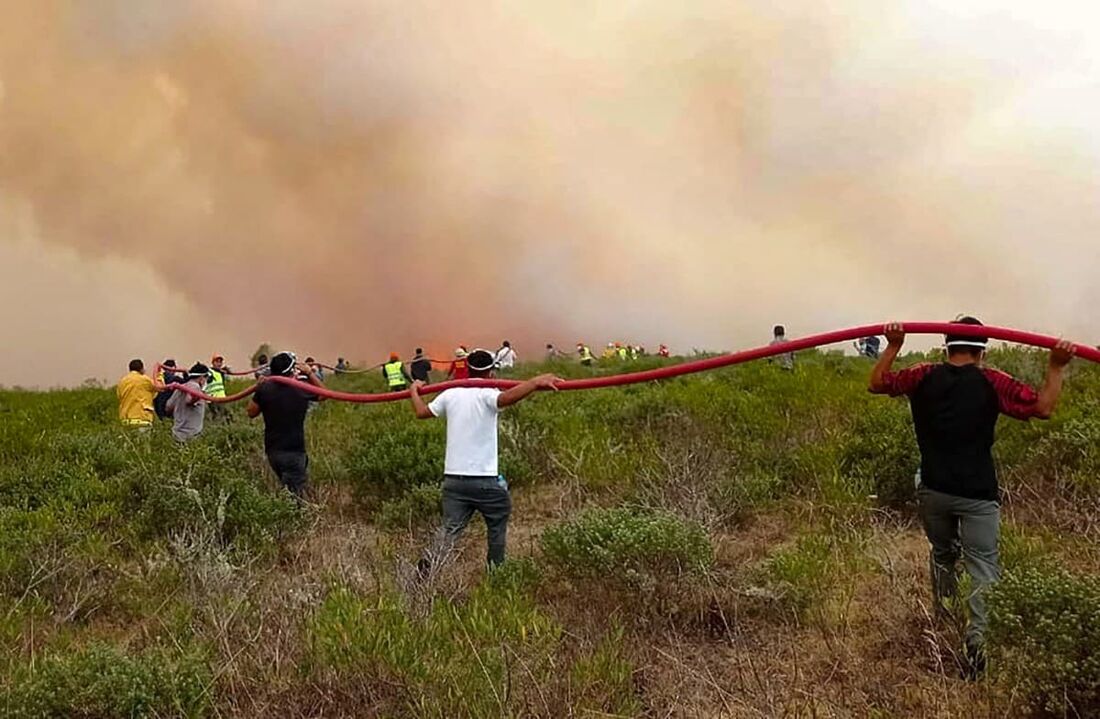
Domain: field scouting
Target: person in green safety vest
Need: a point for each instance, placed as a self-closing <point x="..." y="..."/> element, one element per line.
<point x="622" y="352"/>
<point x="584" y="354"/>
<point x="215" y="387"/>
<point x="397" y="379"/>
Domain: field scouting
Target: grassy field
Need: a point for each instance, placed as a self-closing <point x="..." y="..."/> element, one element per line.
<point x="738" y="544"/>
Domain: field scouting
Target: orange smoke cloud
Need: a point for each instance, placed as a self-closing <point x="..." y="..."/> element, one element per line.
<point x="355" y="176"/>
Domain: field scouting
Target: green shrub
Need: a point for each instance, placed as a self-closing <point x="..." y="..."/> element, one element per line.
<point x="602" y="682"/>
<point x="416" y="507"/>
<point x="198" y="487"/>
<point x="474" y="658"/>
<point x="634" y="547"/>
<point x="881" y="449"/>
<point x="518" y="575"/>
<point x="1043" y="636"/>
<point x="393" y="460"/>
<point x="1071" y="453"/>
<point x="737" y="497"/>
<point x="1019" y="549"/>
<point x="808" y="573"/>
<point x="103" y="681"/>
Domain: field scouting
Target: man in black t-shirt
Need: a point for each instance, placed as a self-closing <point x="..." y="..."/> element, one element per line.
<point x="955" y="407"/>
<point x="421" y="367"/>
<point x="284" y="409"/>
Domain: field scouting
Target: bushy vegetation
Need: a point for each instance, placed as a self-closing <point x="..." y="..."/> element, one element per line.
<point x="804" y="572"/>
<point x="493" y="654"/>
<point x="628" y="546"/>
<point x="141" y="578"/>
<point x="103" y="681"/>
<point x="1045" y="633"/>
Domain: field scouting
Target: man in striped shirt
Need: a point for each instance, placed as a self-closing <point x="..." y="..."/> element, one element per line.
<point x="955" y="407"/>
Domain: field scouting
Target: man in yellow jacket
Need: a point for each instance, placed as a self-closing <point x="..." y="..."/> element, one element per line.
<point x="397" y="379"/>
<point x="135" y="397"/>
<point x="215" y="387"/>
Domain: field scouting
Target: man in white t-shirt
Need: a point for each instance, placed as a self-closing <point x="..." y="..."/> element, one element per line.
<point x="472" y="480"/>
<point x="506" y="356"/>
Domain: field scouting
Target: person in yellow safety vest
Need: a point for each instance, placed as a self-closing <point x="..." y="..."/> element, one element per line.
<point x="584" y="354"/>
<point x="135" y="397"/>
<point x="397" y="379"/>
<point x="609" y="351"/>
<point x="621" y="352"/>
<point x="215" y="387"/>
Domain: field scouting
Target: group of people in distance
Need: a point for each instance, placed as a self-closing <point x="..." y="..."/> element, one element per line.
<point x="955" y="405"/>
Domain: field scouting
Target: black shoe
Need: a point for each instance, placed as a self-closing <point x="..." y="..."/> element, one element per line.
<point x="975" y="661"/>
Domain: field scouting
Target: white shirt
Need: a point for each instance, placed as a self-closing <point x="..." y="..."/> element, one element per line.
<point x="471" y="414"/>
<point x="506" y="357"/>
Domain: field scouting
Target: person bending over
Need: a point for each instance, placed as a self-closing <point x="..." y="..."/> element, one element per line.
<point x="284" y="409"/>
<point x="955" y="407"/>
<point x="472" y="481"/>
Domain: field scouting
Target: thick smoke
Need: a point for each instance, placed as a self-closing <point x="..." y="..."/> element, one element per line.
<point x="354" y="177"/>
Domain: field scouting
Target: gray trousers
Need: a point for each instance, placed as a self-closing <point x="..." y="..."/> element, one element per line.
<point x="462" y="496"/>
<point x="292" y="469"/>
<point x="969" y="528"/>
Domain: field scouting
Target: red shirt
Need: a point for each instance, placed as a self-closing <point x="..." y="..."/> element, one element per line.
<point x="459" y="369"/>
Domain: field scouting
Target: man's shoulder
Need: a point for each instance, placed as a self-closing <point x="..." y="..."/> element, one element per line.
<point x="468" y="393"/>
<point x="997" y="376"/>
<point x="1006" y="384"/>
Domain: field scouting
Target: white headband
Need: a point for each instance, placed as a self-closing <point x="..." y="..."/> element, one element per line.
<point x="492" y="362"/>
<point x="968" y="343"/>
<point x="293" y="361"/>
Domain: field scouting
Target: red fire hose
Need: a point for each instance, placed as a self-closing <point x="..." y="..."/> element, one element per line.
<point x="372" y="368"/>
<point x="917" y="328"/>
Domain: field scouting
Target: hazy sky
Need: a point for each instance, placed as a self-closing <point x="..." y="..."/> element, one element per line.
<point x="355" y="176"/>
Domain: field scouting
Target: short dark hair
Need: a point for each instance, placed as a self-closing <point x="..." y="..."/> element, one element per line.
<point x="420" y="350"/>
<point x="137" y="365"/>
<point x="198" y="370"/>
<point x="779" y="330"/>
<point x="481" y="363"/>
<point x="282" y="363"/>
<point x="507" y="343"/>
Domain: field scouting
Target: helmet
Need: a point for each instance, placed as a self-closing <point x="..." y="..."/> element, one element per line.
<point x="394" y="356"/>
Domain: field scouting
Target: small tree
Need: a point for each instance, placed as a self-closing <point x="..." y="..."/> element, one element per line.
<point x="264" y="350"/>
